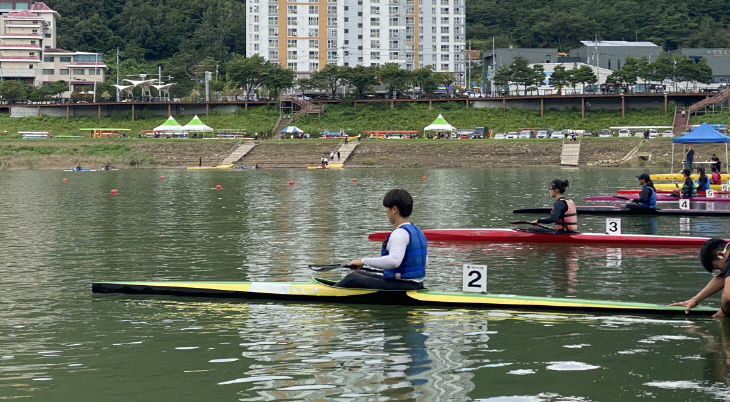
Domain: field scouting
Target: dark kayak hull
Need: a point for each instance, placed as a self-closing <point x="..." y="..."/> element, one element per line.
<point x="613" y="210"/>
<point x="522" y="236"/>
<point x="659" y="198"/>
<point x="320" y="290"/>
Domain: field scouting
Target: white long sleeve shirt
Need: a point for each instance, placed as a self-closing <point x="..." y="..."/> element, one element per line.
<point x="396" y="247"/>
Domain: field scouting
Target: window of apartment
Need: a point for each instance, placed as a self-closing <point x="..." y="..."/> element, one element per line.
<point x="273" y="9"/>
<point x="313" y="66"/>
<point x="291" y="9"/>
<point x="313" y="44"/>
<point x="444" y="20"/>
<point x="63" y="71"/>
<point x="444" y="29"/>
<point x="291" y="31"/>
<point x="375" y="44"/>
<point x="30" y="66"/>
<point x="444" y="10"/>
<point x="65" y="59"/>
<point x="48" y="59"/>
<point x="31" y="53"/>
<point x="393" y="21"/>
<point x="374" y="10"/>
<point x="375" y="55"/>
<point x="273" y="42"/>
<point x="48" y="71"/>
<point x="291" y="20"/>
<point x="78" y="71"/>
<point x="444" y="57"/>
<point x="273" y="54"/>
<point x="313" y="54"/>
<point x="313" y="31"/>
<point x="444" y="48"/>
<point x="32" y="42"/>
<point x="291" y="54"/>
<point x="313" y="9"/>
<point x="374" y="33"/>
<point x="290" y="43"/>
<point x="375" y="22"/>
<point x="444" y="39"/>
<point x="292" y="65"/>
<point x="313" y="20"/>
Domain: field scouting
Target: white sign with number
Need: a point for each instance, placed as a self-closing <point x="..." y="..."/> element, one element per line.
<point x="710" y="193"/>
<point x="613" y="226"/>
<point x="724" y="187"/>
<point x="684" y="203"/>
<point x="474" y="279"/>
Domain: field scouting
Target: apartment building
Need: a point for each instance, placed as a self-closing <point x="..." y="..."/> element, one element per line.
<point x="28" y="48"/>
<point x="304" y="36"/>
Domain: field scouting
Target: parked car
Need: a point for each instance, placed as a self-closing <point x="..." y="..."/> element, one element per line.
<point x="653" y="133"/>
<point x="624" y="132"/>
<point x="512" y="135"/>
<point x="668" y="133"/>
<point x="525" y="134"/>
<point x="499" y="136"/>
<point x="604" y="133"/>
<point x="478" y="132"/>
<point x="542" y="134"/>
<point x="557" y="134"/>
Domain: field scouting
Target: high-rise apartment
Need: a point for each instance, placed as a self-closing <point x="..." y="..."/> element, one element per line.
<point x="28" y="48"/>
<point x="304" y="36"/>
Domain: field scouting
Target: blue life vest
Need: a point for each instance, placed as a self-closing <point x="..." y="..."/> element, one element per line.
<point x="414" y="261"/>
<point x="703" y="184"/>
<point x="652" y="198"/>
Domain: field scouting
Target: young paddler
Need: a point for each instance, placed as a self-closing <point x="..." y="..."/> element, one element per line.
<point x="564" y="213"/>
<point x="689" y="188"/>
<point x="403" y="256"/>
<point x="714" y="258"/>
<point x="647" y="196"/>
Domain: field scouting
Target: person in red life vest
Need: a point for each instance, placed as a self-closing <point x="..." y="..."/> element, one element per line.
<point x="714" y="258"/>
<point x="403" y="256"/>
<point x="715" y="178"/>
<point x="564" y="214"/>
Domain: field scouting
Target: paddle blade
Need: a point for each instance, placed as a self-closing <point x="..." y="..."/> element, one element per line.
<point x="520" y="223"/>
<point x="327" y="267"/>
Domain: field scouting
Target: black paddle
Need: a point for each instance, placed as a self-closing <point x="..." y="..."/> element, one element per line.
<point x="330" y="267"/>
<point x="622" y="197"/>
<point x="530" y="223"/>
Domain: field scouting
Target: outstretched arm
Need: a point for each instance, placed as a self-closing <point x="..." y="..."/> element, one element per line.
<point x="715" y="284"/>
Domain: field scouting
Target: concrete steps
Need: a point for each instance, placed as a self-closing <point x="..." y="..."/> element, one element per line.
<point x="570" y="154"/>
<point x="239" y="152"/>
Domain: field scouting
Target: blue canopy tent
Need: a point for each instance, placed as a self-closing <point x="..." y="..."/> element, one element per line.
<point x="703" y="134"/>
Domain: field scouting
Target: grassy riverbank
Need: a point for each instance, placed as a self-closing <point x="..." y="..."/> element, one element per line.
<point x="135" y="152"/>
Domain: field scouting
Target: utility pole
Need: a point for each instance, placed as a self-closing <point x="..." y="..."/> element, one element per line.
<point x="208" y="77"/>
<point x="468" y="71"/>
<point x="494" y="65"/>
<point x="118" y="94"/>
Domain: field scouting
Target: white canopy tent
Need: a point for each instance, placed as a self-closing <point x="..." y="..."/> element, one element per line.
<point x="440" y="125"/>
<point x="197" y="126"/>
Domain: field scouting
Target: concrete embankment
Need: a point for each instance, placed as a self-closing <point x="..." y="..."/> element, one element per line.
<point x="652" y="154"/>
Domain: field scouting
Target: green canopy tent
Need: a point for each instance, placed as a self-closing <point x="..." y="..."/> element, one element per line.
<point x="440" y="125"/>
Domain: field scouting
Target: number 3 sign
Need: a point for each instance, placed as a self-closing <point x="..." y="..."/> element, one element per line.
<point x="475" y="278"/>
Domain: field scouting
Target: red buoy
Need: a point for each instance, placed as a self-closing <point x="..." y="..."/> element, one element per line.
<point x="162" y="177"/>
<point x="218" y="187"/>
<point x="291" y="183"/>
<point x="64" y="180"/>
<point x="354" y="180"/>
<point x="114" y="191"/>
<point x="423" y="177"/>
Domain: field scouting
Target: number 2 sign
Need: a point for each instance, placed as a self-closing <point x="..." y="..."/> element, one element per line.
<point x="474" y="278"/>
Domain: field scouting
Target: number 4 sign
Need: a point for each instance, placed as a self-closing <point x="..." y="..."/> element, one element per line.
<point x="684" y="203"/>
<point x="474" y="279"/>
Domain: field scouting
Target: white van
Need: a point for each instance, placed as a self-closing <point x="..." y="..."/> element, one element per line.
<point x="624" y="132"/>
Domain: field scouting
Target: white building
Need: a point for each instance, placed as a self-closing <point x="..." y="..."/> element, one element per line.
<point x="304" y="36"/>
<point x="28" y="48"/>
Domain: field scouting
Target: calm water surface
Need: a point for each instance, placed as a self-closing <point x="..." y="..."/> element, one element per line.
<point x="60" y="342"/>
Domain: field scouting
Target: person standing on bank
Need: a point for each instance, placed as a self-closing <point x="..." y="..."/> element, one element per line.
<point x="714" y="258"/>
<point x="689" y="156"/>
<point x="647" y="196"/>
<point x="403" y="256"/>
<point x="564" y="213"/>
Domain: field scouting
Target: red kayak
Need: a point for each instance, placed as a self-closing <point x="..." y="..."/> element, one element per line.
<point x="523" y="236"/>
<point x="699" y="192"/>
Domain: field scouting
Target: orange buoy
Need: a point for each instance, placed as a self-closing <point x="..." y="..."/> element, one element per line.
<point x="64" y="180"/>
<point x="291" y="183"/>
<point x="218" y="187"/>
<point x="114" y="191"/>
<point x="354" y="180"/>
<point x="423" y="177"/>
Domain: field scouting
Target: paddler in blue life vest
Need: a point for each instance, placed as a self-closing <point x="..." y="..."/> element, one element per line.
<point x="703" y="182"/>
<point x="647" y="196"/>
<point x="689" y="188"/>
<point x="564" y="213"/>
<point x="403" y="256"/>
<point x="714" y="258"/>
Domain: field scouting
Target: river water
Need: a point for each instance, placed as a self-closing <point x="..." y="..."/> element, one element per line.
<point x="58" y="341"/>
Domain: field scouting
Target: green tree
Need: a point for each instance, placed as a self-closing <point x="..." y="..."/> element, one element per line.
<point x="361" y="78"/>
<point x="14" y="90"/>
<point x="329" y="78"/>
<point x="277" y="78"/>
<point x="521" y="73"/>
<point x="503" y="77"/>
<point x="446" y="79"/>
<point x="246" y="73"/>
<point x="584" y="75"/>
<point x="559" y="78"/>
<point x="393" y="77"/>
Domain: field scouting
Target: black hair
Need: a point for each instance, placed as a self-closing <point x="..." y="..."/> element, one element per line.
<point x="701" y="171"/>
<point x="687" y="172"/>
<point x="399" y="198"/>
<point x="714" y="169"/>
<point x="559" y="185"/>
<point x="709" y="250"/>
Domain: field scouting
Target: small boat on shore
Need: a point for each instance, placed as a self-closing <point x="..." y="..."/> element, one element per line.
<point x="323" y="291"/>
<point x="659" y="198"/>
<point x="617" y="210"/>
<point x="330" y="166"/>
<point x="523" y="236"/>
<point x="227" y="166"/>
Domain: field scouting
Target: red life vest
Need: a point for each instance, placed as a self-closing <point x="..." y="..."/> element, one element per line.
<point x="716" y="178"/>
<point x="569" y="221"/>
